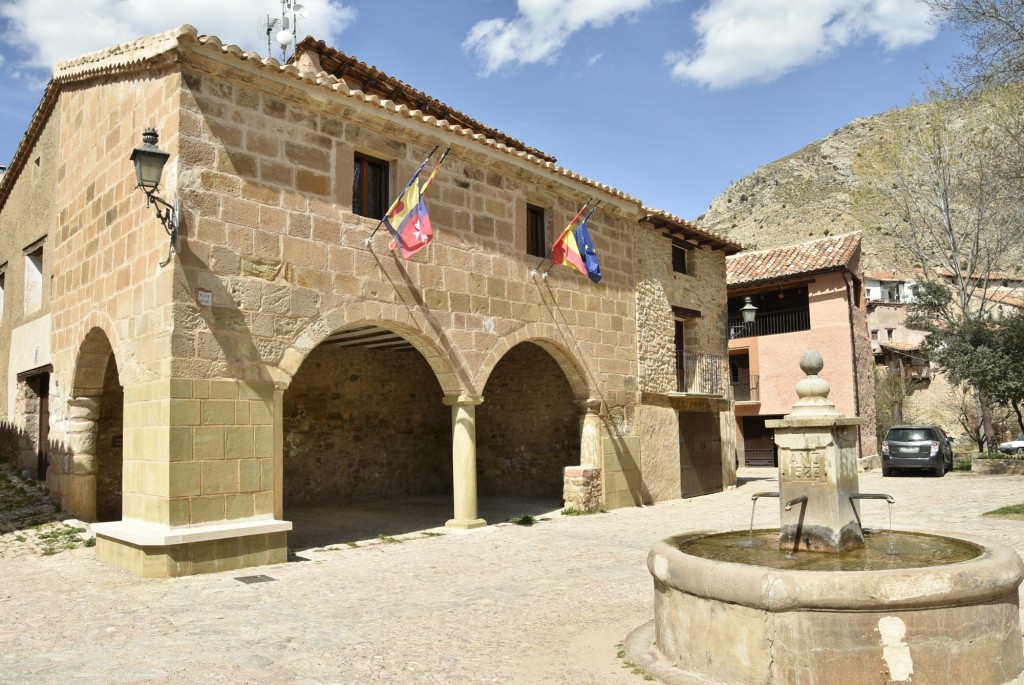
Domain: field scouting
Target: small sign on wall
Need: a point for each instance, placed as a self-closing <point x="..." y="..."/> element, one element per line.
<point x="205" y="297"/>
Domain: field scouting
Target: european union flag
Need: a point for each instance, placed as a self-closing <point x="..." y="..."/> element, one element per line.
<point x="586" y="247"/>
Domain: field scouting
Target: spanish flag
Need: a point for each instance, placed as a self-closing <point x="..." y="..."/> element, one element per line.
<point x="566" y="251"/>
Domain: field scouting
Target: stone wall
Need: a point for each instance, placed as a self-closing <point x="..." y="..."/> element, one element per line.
<point x="658" y="289"/>
<point x="362" y="424"/>
<point x="528" y="427"/>
<point x="268" y="166"/>
<point x="28" y="215"/>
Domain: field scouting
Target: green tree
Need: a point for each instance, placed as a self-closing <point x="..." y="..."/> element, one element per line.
<point x="1008" y="386"/>
<point x="957" y="218"/>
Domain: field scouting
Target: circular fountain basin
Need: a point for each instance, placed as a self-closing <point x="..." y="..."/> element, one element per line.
<point x="729" y="622"/>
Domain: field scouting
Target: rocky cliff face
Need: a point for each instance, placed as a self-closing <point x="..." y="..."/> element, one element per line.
<point x="819" y="190"/>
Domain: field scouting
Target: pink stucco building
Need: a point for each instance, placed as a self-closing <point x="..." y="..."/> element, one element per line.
<point x="807" y="296"/>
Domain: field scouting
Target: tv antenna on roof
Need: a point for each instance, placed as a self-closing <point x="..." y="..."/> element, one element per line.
<point x="266" y="26"/>
<point x="286" y="37"/>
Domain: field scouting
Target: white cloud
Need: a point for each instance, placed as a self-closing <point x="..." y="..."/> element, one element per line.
<point x="45" y="31"/>
<point x="757" y="41"/>
<point x="541" y="29"/>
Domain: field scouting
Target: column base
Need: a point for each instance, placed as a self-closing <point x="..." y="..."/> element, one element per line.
<point x="465" y="524"/>
<point x="155" y="552"/>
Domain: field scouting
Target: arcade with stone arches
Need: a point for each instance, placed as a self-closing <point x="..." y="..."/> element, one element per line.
<point x="376" y="412"/>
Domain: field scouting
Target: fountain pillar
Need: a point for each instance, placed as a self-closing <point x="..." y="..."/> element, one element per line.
<point x="817" y="469"/>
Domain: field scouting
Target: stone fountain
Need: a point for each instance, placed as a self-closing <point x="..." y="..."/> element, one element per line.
<point x="735" y="607"/>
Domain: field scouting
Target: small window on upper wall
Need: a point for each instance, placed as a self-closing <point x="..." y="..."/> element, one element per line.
<point x="369" y="187"/>
<point x="3" y="286"/>
<point x="679" y="257"/>
<point x="536" y="244"/>
<point x="33" y="279"/>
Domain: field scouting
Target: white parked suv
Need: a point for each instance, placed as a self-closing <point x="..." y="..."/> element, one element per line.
<point x="1013" y="447"/>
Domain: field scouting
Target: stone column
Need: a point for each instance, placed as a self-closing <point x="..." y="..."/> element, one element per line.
<point x="590" y="434"/>
<point x="464" y="461"/>
<point x="817" y="469"/>
<point x="78" y="489"/>
<point x="278" y="454"/>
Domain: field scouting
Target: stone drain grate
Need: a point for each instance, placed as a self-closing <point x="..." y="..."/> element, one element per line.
<point x="249" y="580"/>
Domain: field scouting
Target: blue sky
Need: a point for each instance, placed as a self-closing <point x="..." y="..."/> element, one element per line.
<point x="667" y="100"/>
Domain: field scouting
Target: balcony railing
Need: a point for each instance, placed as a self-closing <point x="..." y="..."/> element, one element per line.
<point x="771" y="323"/>
<point x="701" y="374"/>
<point x="746" y="390"/>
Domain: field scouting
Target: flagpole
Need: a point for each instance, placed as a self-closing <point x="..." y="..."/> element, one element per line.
<point x="582" y="209"/>
<point x="411" y="181"/>
<point x="592" y="210"/>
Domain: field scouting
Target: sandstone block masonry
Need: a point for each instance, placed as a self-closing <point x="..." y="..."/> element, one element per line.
<point x="279" y="360"/>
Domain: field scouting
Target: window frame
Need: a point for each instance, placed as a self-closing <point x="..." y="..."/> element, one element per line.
<point x="536" y="231"/>
<point x="680" y="258"/>
<point x="362" y="203"/>
<point x="34" y="277"/>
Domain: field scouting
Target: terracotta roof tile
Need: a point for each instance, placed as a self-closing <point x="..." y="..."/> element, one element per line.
<point x="810" y="257"/>
<point x="899" y="345"/>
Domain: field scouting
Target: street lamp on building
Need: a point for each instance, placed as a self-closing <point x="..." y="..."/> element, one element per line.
<point x="149" y="161"/>
<point x="748" y="311"/>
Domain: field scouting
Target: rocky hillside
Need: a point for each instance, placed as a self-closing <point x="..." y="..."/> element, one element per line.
<point x="817" y="191"/>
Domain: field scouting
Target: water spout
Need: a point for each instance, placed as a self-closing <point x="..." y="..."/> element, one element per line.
<point x="795" y="500"/>
<point x="887" y="498"/>
<point x="753" y="505"/>
<point x="867" y="495"/>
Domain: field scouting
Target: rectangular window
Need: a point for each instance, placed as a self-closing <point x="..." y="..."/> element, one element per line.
<point x="680" y="341"/>
<point x="536" y="244"/>
<point x="679" y="257"/>
<point x="369" y="187"/>
<point x="3" y="286"/>
<point x="874" y="334"/>
<point x="33" y="278"/>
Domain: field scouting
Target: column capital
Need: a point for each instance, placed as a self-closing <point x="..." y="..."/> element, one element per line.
<point x="463" y="400"/>
<point x="590" y="405"/>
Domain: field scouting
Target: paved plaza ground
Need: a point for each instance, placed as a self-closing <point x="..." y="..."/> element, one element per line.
<point x="548" y="603"/>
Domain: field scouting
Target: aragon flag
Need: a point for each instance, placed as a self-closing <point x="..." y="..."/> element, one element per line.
<point x="410" y="224"/>
<point x="416" y="231"/>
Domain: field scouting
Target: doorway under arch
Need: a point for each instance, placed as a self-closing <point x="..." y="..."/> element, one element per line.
<point x="95" y="429"/>
<point x="363" y="421"/>
<point x="528" y="427"/>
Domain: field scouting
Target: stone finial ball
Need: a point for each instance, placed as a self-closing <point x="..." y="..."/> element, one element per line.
<point x="811" y="363"/>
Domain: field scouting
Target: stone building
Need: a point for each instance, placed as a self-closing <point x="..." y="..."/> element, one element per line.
<point x="278" y="359"/>
<point x="807" y="296"/>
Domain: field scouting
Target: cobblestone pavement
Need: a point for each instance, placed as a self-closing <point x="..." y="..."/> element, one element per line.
<point x="505" y="604"/>
<point x="30" y="523"/>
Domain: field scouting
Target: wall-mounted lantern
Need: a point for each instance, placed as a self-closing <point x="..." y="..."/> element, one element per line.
<point x="149" y="163"/>
<point x="748" y="311"/>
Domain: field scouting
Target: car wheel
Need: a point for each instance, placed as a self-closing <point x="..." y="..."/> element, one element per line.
<point x="940" y="470"/>
<point x="1020" y="450"/>
<point x="886" y="472"/>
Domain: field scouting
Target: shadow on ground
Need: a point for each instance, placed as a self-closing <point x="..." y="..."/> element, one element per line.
<point x="318" y="527"/>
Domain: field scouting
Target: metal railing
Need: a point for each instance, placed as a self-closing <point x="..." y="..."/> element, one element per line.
<point x="771" y="323"/>
<point x="701" y="374"/>
<point x="746" y="391"/>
